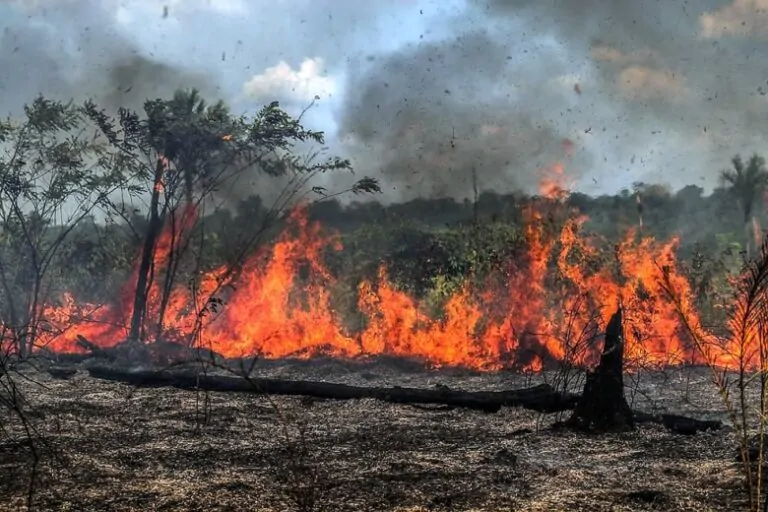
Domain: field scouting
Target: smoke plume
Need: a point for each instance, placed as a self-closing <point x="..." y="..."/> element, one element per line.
<point x="643" y="90"/>
<point x="618" y="90"/>
<point x="73" y="50"/>
<point x="434" y="115"/>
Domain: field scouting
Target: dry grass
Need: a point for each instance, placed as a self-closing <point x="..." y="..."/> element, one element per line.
<point x="145" y="449"/>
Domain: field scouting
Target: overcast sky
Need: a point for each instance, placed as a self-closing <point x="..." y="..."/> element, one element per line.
<point x="420" y="92"/>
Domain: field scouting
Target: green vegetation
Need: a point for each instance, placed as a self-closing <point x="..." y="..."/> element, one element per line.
<point x="426" y="242"/>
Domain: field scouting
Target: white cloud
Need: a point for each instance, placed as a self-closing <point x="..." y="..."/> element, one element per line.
<point x="229" y="7"/>
<point x="124" y="16"/>
<point x="740" y="18"/>
<point x="642" y="82"/>
<point x="283" y="82"/>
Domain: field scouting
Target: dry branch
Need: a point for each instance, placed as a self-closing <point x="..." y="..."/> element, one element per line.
<point x="94" y="350"/>
<point x="163" y="352"/>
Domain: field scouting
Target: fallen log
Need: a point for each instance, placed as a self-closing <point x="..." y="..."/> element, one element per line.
<point x="542" y="398"/>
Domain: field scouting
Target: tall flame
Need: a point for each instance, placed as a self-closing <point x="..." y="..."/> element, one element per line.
<point x="531" y="316"/>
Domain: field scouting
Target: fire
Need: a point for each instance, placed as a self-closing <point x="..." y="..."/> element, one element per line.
<point x="546" y="307"/>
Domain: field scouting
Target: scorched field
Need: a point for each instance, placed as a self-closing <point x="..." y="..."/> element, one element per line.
<point x="125" y="448"/>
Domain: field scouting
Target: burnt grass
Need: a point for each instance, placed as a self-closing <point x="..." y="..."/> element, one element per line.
<point x="108" y="446"/>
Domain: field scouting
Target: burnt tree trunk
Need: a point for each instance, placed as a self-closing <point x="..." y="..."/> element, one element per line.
<point x="147" y="254"/>
<point x="603" y="406"/>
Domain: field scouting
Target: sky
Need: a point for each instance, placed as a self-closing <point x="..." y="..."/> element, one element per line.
<point x="426" y="94"/>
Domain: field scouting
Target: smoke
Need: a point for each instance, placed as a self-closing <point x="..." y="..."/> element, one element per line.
<point x="618" y="90"/>
<point x="435" y="115"/>
<point x="645" y="90"/>
<point x="75" y="49"/>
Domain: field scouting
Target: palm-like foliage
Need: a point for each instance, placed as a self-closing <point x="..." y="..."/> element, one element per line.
<point x="745" y="182"/>
<point x="745" y="347"/>
<point x="190" y="133"/>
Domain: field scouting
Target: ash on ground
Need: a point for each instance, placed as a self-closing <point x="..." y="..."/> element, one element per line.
<point x="121" y="448"/>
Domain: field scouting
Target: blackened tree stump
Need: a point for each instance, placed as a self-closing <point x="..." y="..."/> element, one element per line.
<point x="603" y="406"/>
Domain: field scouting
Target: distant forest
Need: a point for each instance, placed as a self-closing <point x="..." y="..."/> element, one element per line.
<point x="423" y="238"/>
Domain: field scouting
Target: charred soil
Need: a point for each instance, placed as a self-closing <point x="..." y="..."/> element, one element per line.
<point x="121" y="448"/>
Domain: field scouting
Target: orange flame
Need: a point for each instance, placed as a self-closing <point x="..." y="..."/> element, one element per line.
<point x="542" y="308"/>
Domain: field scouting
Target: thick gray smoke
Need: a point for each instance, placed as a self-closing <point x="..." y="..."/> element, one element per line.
<point x="618" y="90"/>
<point x="647" y="90"/>
<point x="435" y="115"/>
<point x="72" y="50"/>
<point x="692" y="71"/>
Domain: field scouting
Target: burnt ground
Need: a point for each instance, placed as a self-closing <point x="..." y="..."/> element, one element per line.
<point x="120" y="448"/>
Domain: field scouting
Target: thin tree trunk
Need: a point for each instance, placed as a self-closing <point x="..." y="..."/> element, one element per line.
<point x="170" y="274"/>
<point x="189" y="185"/>
<point x="154" y="227"/>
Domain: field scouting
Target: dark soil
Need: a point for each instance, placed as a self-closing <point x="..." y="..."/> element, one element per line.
<point x="112" y="447"/>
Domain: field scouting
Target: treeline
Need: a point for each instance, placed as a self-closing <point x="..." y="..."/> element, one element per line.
<point x="425" y="238"/>
<point x="664" y="213"/>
